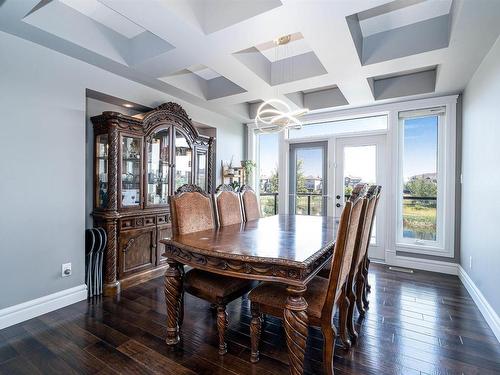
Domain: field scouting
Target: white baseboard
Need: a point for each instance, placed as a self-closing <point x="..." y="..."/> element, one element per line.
<point x="27" y="310"/>
<point x="488" y="312"/>
<point x="420" y="264"/>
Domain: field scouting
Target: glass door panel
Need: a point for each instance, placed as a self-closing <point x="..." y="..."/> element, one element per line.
<point x="201" y="169"/>
<point x="308" y="178"/>
<point x="102" y="171"/>
<point x="360" y="160"/>
<point x="183" y="160"/>
<point x="131" y="171"/>
<point x="158" y="164"/>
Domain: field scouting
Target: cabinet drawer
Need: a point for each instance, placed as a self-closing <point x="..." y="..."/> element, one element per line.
<point x="127" y="223"/>
<point x="149" y="220"/>
<point x="163" y="219"/>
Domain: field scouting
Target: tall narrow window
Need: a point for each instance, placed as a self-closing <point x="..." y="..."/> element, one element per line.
<point x="421" y="178"/>
<point x="268" y="173"/>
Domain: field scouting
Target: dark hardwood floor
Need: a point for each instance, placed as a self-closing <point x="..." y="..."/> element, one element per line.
<point x="423" y="323"/>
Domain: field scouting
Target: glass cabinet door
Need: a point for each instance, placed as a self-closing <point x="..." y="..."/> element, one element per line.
<point x="183" y="160"/>
<point x="201" y="169"/>
<point x="131" y="171"/>
<point x="101" y="147"/>
<point x="158" y="164"/>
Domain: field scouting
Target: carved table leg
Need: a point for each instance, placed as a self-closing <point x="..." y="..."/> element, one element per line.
<point x="255" y="331"/>
<point x="222" y="324"/>
<point x="295" y="317"/>
<point x="173" y="297"/>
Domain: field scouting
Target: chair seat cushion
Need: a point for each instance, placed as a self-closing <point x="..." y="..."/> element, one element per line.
<point x="275" y="295"/>
<point x="207" y="284"/>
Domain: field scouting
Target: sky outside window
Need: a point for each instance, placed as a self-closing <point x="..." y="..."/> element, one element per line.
<point x="420" y="146"/>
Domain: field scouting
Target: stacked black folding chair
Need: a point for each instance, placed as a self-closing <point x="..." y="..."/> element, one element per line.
<point x="95" y="243"/>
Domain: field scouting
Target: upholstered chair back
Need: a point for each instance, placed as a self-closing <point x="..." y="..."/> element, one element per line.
<point x="348" y="237"/>
<point x="191" y="210"/>
<point x="251" y="209"/>
<point x="227" y="206"/>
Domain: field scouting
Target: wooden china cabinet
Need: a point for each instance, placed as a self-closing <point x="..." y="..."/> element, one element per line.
<point x="139" y="161"/>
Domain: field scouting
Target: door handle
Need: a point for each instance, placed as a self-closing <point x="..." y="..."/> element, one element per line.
<point x="338" y="197"/>
<point x="338" y="205"/>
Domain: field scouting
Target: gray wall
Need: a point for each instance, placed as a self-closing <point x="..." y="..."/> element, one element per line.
<point x="481" y="177"/>
<point x="43" y="107"/>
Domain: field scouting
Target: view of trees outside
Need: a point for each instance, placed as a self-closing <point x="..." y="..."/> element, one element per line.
<point x="268" y="174"/>
<point x="309" y="181"/>
<point x="420" y="178"/>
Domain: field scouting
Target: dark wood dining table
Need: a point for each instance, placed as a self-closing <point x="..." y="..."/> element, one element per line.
<point x="289" y="249"/>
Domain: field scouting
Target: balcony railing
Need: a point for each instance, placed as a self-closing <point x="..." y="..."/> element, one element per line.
<point x="421" y="209"/>
<point x="269" y="203"/>
<point x="306" y="204"/>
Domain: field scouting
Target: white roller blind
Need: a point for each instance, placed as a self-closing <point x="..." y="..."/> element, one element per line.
<point x="436" y="111"/>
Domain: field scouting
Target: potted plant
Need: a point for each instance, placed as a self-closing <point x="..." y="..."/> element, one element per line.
<point x="248" y="166"/>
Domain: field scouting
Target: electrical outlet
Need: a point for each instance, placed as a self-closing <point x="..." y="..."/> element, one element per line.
<point x="470" y="262"/>
<point x="66" y="270"/>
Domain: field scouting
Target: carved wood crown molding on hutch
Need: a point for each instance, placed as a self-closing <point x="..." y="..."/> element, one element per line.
<point x="165" y="113"/>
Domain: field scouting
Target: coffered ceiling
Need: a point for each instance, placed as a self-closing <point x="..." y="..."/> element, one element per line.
<point x="221" y="55"/>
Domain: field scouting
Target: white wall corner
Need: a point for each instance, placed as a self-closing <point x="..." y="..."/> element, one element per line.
<point x="392" y="259"/>
<point x="27" y="310"/>
<point x="489" y="314"/>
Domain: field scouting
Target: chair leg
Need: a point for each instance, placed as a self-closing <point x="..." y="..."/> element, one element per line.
<point x="364" y="294"/>
<point x="359" y="295"/>
<point x="255" y="331"/>
<point x="368" y="287"/>
<point x="329" y="335"/>
<point x="343" y="310"/>
<point x="350" y="315"/>
<point x="221" y="327"/>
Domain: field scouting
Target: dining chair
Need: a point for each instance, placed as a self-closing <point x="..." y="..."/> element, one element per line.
<point x="191" y="211"/>
<point x="357" y="280"/>
<point x="322" y="295"/>
<point x="227" y="206"/>
<point x="250" y="203"/>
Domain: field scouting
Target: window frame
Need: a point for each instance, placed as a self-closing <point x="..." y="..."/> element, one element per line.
<point x="445" y="201"/>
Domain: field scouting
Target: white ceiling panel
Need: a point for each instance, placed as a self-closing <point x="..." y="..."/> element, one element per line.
<point x="273" y="52"/>
<point x="405" y="16"/>
<point x="204" y="72"/>
<point x="105" y="16"/>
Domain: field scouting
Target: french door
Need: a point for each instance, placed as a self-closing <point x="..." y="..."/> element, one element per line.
<point x="308" y="178"/>
<point x="361" y="159"/>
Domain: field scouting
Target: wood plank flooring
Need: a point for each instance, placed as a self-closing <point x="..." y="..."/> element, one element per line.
<point x="423" y="323"/>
